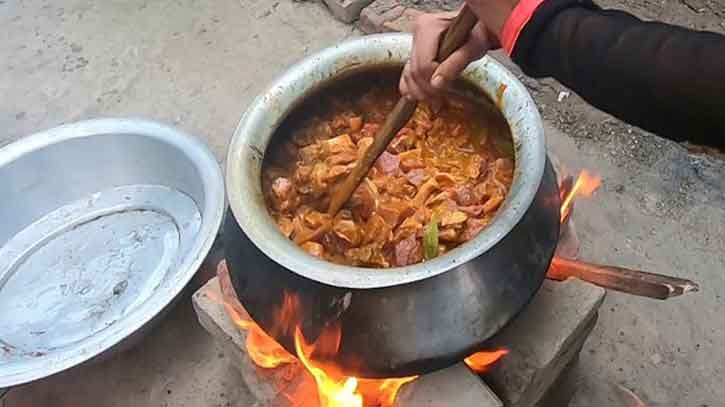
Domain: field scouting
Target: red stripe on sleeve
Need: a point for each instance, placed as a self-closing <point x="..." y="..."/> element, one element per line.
<point x="520" y="16"/>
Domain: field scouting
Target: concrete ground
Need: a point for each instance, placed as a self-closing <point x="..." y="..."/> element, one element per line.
<point x="197" y="64"/>
<point x="177" y="365"/>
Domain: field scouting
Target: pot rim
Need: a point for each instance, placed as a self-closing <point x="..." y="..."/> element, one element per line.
<point x="271" y="107"/>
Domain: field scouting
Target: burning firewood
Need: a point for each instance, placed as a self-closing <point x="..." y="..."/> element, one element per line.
<point x="635" y="282"/>
<point x="327" y="387"/>
<point x="617" y="278"/>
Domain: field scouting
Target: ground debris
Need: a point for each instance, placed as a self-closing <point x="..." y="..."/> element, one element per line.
<point x="628" y="397"/>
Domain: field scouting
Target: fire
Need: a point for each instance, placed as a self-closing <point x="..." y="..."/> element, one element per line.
<point x="264" y="351"/>
<point x="336" y="390"/>
<point x="585" y="185"/>
<point x="386" y="389"/>
<point x="333" y="389"/>
<point x="481" y="361"/>
<point x="332" y="392"/>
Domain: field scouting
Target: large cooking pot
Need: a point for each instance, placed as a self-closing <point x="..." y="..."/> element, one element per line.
<point x="405" y="320"/>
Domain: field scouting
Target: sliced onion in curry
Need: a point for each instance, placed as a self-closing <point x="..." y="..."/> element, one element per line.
<point x="441" y="181"/>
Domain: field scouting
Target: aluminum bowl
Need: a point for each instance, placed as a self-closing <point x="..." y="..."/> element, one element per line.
<point x="103" y="224"/>
<point x="404" y="320"/>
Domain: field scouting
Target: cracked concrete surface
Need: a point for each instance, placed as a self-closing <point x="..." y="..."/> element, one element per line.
<point x="176" y="365"/>
<point x="670" y="353"/>
<point x="198" y="63"/>
<point x="195" y="64"/>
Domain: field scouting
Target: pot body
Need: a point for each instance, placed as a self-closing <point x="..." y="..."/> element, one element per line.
<point x="408" y="320"/>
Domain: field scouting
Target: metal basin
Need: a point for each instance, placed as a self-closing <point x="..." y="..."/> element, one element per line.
<point x="103" y="224"/>
<point x="405" y="320"/>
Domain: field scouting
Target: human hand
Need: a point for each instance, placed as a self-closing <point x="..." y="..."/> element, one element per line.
<point x="493" y="14"/>
<point x="423" y="78"/>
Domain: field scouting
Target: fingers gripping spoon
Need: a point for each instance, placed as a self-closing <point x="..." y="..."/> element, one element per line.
<point x="454" y="38"/>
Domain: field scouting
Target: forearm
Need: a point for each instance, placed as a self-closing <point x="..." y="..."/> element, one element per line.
<point x="665" y="79"/>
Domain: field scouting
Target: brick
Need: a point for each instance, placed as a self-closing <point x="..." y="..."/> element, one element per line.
<point x="404" y="23"/>
<point x="542" y="340"/>
<point x="383" y="7"/>
<point x="455" y="386"/>
<point x="346" y="11"/>
<point x="388" y="16"/>
<point x="268" y="386"/>
<point x="564" y="388"/>
<point x="373" y="17"/>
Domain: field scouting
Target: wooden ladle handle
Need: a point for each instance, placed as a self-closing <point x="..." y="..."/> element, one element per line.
<point x="457" y="33"/>
<point x="455" y="37"/>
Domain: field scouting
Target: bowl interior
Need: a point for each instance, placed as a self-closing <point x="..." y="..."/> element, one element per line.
<point x="101" y="223"/>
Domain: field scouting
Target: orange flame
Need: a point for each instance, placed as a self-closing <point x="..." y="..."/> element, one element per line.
<point x="332" y="392"/>
<point x="585" y="185"/>
<point x="285" y="319"/>
<point x="333" y="388"/>
<point x="337" y="390"/>
<point x="262" y="349"/>
<point x="480" y="362"/>
<point x="383" y="392"/>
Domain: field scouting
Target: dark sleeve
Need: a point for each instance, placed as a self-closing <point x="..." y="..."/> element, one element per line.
<point x="662" y="78"/>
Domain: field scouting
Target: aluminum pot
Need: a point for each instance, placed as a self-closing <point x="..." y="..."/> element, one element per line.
<point x="397" y="321"/>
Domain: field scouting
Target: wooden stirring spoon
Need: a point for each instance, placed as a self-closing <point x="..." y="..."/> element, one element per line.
<point x="455" y="37"/>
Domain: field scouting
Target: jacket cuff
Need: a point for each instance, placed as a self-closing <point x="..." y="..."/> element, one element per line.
<point x="529" y="18"/>
<point x="519" y="17"/>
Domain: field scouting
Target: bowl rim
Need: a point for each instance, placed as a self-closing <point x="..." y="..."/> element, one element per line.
<point x="212" y="214"/>
<point x="272" y="106"/>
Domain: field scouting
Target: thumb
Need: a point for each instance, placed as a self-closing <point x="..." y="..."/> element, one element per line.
<point x="475" y="48"/>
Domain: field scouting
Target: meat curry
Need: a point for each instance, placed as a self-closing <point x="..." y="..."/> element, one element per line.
<point x="440" y="182"/>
